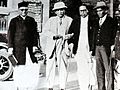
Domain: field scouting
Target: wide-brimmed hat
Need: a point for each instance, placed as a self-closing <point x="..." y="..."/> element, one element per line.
<point x="100" y="4"/>
<point x="59" y="5"/>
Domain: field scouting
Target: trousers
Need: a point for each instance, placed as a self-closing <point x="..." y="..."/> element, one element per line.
<point x="62" y="70"/>
<point x="117" y="74"/>
<point x="104" y="70"/>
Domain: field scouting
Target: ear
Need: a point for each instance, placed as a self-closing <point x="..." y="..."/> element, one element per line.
<point x="55" y="12"/>
<point x="87" y="10"/>
<point x="106" y="11"/>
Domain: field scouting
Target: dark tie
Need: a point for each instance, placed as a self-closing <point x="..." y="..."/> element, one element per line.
<point x="60" y="21"/>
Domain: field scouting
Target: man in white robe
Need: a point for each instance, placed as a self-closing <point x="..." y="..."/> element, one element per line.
<point x="82" y="29"/>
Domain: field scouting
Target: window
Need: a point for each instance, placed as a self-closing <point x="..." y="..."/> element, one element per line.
<point x="3" y="22"/>
<point x="3" y="3"/>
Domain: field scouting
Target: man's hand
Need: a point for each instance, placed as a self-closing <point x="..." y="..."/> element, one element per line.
<point x="112" y="47"/>
<point x="70" y="47"/>
<point x="68" y="36"/>
<point x="112" y="51"/>
<point x="34" y="48"/>
<point x="113" y="54"/>
<point x="10" y="51"/>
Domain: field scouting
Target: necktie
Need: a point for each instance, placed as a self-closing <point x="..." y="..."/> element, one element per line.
<point x="100" y="21"/>
<point x="60" y="21"/>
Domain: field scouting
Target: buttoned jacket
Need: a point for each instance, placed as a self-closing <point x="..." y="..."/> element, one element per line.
<point x="22" y="34"/>
<point x="104" y="34"/>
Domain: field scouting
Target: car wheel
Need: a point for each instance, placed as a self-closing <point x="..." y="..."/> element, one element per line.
<point x="6" y="68"/>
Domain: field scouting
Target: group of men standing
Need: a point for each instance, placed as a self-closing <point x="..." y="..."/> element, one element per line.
<point x="94" y="37"/>
<point x="82" y="38"/>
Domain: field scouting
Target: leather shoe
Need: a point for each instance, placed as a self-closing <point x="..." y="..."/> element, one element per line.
<point x="62" y="89"/>
<point x="50" y="89"/>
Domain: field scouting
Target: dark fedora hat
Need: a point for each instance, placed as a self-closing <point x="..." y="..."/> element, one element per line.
<point x="101" y="4"/>
<point x="23" y="4"/>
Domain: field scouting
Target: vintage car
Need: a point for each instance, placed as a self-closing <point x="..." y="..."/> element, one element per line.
<point x="6" y="68"/>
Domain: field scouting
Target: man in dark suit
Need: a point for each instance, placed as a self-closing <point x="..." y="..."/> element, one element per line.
<point x="22" y="33"/>
<point x="81" y="42"/>
<point x="104" y="35"/>
<point x="22" y="42"/>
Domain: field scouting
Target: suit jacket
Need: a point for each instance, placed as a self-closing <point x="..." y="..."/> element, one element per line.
<point x="51" y="28"/>
<point x="75" y="28"/>
<point x="104" y="34"/>
<point x="22" y="34"/>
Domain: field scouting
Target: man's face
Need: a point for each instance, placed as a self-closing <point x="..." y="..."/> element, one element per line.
<point x="101" y="13"/>
<point x="23" y="11"/>
<point x="60" y="12"/>
<point x="83" y="11"/>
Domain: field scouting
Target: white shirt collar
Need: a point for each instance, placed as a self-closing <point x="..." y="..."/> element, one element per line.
<point x="23" y="17"/>
<point x="103" y="18"/>
<point x="59" y="17"/>
<point x="85" y="17"/>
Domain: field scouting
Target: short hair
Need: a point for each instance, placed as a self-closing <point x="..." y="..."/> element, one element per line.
<point x="23" y="4"/>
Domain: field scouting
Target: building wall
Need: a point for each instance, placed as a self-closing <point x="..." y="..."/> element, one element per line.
<point x="93" y="2"/>
<point x="45" y="10"/>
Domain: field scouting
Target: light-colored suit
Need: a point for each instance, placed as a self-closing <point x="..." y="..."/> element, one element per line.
<point x="52" y="28"/>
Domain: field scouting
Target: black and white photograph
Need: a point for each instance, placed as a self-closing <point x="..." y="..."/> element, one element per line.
<point x="59" y="44"/>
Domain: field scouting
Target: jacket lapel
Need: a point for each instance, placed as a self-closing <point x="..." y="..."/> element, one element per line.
<point x="105" y="22"/>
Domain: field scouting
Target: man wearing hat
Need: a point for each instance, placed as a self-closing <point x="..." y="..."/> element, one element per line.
<point x="22" y="42"/>
<point x="56" y="31"/>
<point x="104" y="35"/>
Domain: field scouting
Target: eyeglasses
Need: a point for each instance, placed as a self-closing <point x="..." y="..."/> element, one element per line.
<point x="83" y="10"/>
<point x="99" y="10"/>
<point x="24" y="9"/>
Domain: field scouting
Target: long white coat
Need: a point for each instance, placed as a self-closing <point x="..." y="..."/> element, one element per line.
<point x="50" y="30"/>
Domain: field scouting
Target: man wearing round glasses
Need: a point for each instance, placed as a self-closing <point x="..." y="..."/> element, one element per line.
<point x="23" y="11"/>
<point x="82" y="40"/>
<point x="22" y="42"/>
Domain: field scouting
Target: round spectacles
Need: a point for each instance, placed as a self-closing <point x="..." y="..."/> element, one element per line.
<point x="24" y="9"/>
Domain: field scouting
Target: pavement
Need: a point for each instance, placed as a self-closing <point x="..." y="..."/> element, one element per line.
<point x="72" y="82"/>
